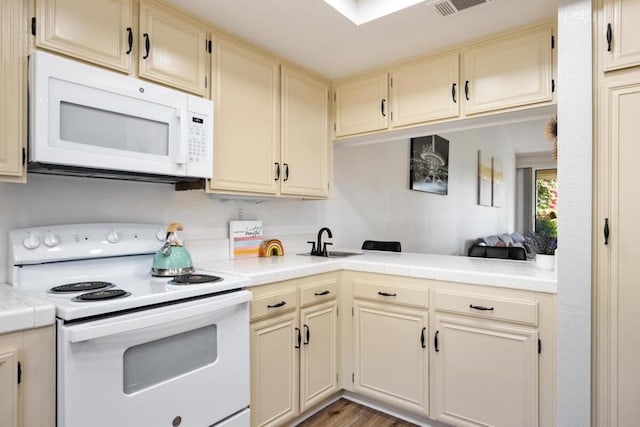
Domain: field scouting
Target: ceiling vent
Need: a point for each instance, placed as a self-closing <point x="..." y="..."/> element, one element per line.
<point x="449" y="7"/>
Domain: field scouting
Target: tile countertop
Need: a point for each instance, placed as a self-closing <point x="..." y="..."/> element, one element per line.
<point x="19" y="311"/>
<point x="479" y="271"/>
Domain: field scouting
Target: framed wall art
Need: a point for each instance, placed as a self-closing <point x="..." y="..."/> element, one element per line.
<point x="429" y="164"/>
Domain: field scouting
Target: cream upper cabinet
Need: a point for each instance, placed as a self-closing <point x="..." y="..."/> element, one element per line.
<point x="621" y="42"/>
<point x="512" y="71"/>
<point x="361" y="104"/>
<point x="391" y="355"/>
<point x="246" y="94"/>
<point x="14" y="16"/>
<point x="97" y="31"/>
<point x="173" y="48"/>
<point x="27" y="393"/>
<point x="305" y="134"/>
<point x="424" y="91"/>
<point x="618" y="295"/>
<point x="274" y="369"/>
<point x="318" y="356"/>
<point x="485" y="373"/>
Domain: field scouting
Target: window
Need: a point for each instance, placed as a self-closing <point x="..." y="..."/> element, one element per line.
<point x="547" y="201"/>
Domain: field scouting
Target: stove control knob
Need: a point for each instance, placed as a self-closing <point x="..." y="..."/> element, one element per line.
<point x="31" y="242"/>
<point x="51" y="240"/>
<point x="161" y="235"/>
<point x="113" y="236"/>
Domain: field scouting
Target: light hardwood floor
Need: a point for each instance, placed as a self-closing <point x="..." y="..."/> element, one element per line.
<point x="345" y="413"/>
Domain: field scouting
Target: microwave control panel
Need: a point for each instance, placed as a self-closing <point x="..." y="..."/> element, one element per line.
<point x="197" y="140"/>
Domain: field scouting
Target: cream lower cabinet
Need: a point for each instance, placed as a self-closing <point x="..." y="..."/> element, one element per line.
<point x="14" y="16"/>
<point x="390" y="354"/>
<point x="274" y="369"/>
<point x="484" y="373"/>
<point x="294" y="347"/>
<point x="27" y="378"/>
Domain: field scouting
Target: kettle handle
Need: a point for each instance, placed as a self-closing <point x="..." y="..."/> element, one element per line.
<point x="173" y="227"/>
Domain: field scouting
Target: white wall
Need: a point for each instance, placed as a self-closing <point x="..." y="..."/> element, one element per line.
<point x="48" y="200"/>
<point x="574" y="195"/>
<point x="372" y="199"/>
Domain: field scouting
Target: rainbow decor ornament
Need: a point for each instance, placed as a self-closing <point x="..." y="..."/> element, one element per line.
<point x="271" y="247"/>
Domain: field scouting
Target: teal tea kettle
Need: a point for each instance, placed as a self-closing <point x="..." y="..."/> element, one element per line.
<point x="172" y="259"/>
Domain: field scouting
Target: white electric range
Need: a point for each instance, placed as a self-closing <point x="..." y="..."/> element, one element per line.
<point x="133" y="349"/>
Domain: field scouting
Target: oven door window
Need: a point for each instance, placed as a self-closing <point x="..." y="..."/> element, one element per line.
<point x="154" y="362"/>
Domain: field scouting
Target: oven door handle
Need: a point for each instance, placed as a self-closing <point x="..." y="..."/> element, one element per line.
<point x="79" y="333"/>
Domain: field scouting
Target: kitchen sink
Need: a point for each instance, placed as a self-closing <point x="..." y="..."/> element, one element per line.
<point x="335" y="254"/>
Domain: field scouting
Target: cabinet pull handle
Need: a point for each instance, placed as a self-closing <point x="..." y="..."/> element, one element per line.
<point x="466" y="89"/>
<point x="306" y="329"/>
<point x="277" y="171"/>
<point x="422" y="338"/>
<point x="382" y="107"/>
<point x="387" y="294"/>
<point x="147" y="45"/>
<point x="609" y="37"/>
<point x="453" y="92"/>
<point x="606" y="231"/>
<point x="435" y="341"/>
<point x="130" y="40"/>
<point x="286" y="171"/>
<point x="278" y="305"/>
<point x="325" y="292"/>
<point x="480" y="307"/>
<point x="299" y="338"/>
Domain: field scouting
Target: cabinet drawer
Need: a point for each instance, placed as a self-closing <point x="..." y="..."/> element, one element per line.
<point x="273" y="303"/>
<point x="391" y="292"/>
<point x="318" y="292"/>
<point x="519" y="311"/>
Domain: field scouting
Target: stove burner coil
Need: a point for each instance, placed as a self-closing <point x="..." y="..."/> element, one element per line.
<point x="80" y="287"/>
<point x="194" y="279"/>
<point x="101" y="295"/>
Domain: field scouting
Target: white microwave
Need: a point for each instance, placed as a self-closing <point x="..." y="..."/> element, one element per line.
<point x="88" y="121"/>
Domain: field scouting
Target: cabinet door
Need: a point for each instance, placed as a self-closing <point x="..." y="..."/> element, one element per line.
<point x="485" y="373"/>
<point x="391" y="355"/>
<point x="361" y="105"/>
<point x="618" y="328"/>
<point x="246" y="97"/>
<point x="8" y="387"/>
<point x="508" y="72"/>
<point x="173" y="48"/>
<point x="305" y="138"/>
<point x="13" y="89"/>
<point x="318" y="357"/>
<point x="622" y="44"/>
<point x="274" y="370"/>
<point x="424" y="91"/>
<point x="97" y="31"/>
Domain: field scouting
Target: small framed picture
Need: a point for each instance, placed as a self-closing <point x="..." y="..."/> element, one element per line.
<point x="429" y="165"/>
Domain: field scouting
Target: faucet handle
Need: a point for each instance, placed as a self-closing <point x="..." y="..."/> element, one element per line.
<point x="313" y="247"/>
<point x="324" y="248"/>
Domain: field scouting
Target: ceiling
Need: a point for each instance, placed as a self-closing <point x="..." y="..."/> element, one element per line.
<point x="314" y="35"/>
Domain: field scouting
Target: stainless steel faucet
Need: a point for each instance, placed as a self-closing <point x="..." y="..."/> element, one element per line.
<point x="318" y="248"/>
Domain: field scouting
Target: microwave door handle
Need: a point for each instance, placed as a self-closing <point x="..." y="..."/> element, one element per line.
<point x="181" y="153"/>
